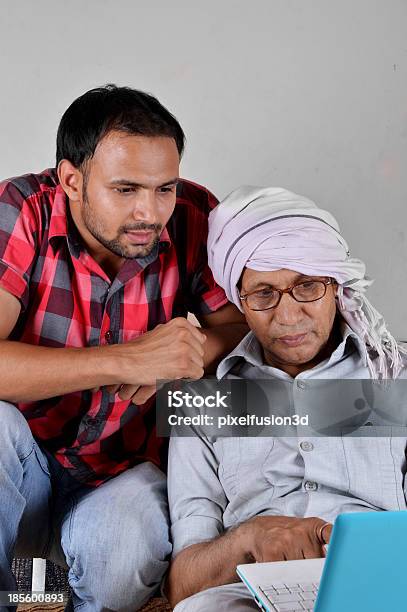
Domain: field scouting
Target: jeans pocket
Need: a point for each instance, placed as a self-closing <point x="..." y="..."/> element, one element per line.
<point x="41" y="458"/>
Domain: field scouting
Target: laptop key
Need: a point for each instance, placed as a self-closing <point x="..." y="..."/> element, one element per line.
<point x="287" y="607"/>
<point x="307" y="587"/>
<point x="308" y="596"/>
<point x="286" y="597"/>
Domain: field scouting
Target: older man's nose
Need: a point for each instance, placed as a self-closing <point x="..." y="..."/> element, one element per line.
<point x="288" y="311"/>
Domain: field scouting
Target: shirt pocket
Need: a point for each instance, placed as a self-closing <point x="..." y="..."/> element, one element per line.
<point x="375" y="461"/>
<point x="241" y="466"/>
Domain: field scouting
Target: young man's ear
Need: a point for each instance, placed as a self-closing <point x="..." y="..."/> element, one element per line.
<point x="71" y="180"/>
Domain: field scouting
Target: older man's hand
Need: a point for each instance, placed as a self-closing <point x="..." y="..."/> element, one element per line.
<point x="281" y="538"/>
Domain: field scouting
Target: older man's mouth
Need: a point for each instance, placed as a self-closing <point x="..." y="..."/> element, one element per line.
<point x="293" y="340"/>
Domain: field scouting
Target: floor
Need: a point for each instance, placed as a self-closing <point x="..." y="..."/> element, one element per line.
<point x="154" y="605"/>
<point x="56" y="581"/>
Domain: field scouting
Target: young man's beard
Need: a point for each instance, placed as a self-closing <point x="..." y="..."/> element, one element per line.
<point x="114" y="245"/>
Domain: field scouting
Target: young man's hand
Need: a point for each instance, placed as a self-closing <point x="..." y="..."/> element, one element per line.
<point x="170" y="351"/>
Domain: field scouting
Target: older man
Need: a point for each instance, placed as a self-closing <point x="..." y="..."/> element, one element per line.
<point x="284" y="263"/>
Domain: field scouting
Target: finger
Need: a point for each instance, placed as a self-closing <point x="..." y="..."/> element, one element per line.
<point x="312" y="551"/>
<point x="266" y="556"/>
<point x="292" y="554"/>
<point x="143" y="394"/>
<point x="127" y="391"/>
<point x="193" y="329"/>
<point x="327" y="532"/>
<point x="192" y="371"/>
<point x="192" y="341"/>
<point x="197" y="333"/>
<point x="196" y="359"/>
<point x="112" y="388"/>
<point x="323" y="531"/>
<point x="192" y="344"/>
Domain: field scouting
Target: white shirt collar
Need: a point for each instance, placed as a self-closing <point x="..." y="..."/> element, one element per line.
<point x="250" y="350"/>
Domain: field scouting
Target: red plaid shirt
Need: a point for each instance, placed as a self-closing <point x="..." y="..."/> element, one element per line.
<point x="68" y="301"/>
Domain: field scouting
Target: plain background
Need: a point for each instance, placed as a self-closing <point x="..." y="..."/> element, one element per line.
<point x="310" y="95"/>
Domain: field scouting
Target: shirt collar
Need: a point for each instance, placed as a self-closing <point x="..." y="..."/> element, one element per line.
<point x="250" y="350"/>
<point x="58" y="226"/>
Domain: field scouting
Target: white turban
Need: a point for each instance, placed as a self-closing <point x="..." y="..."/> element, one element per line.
<point x="271" y="228"/>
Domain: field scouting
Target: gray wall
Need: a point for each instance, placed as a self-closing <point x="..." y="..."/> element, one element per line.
<point x="306" y="94"/>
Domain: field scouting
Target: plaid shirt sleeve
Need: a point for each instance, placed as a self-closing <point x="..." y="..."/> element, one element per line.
<point x="18" y="241"/>
<point x="203" y="295"/>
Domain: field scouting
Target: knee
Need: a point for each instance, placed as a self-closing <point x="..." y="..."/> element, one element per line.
<point x="14" y="426"/>
<point x="122" y="582"/>
<point x="122" y="568"/>
<point x="129" y="588"/>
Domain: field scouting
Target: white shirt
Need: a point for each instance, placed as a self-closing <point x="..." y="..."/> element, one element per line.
<point x="216" y="483"/>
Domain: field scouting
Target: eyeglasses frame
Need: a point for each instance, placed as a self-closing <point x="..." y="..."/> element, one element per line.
<point x="289" y="290"/>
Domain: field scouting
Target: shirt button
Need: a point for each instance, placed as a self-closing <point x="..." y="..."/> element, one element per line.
<point x="310" y="486"/>
<point x="306" y="446"/>
<point x="109" y="337"/>
<point x="301" y="385"/>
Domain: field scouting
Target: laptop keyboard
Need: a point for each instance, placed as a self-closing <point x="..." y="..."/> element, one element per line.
<point x="291" y="597"/>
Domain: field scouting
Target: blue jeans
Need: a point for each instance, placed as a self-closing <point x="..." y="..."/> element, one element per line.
<point x="114" y="539"/>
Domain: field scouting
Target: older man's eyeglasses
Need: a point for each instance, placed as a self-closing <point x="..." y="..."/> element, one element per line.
<point x="269" y="297"/>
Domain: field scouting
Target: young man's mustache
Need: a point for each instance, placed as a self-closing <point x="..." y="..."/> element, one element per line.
<point x="137" y="227"/>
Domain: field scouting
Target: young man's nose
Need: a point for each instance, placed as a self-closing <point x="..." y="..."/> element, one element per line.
<point x="145" y="206"/>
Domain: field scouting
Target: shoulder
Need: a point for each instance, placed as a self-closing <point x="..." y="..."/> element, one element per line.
<point x="195" y="197"/>
<point x="28" y="193"/>
<point x="20" y="188"/>
<point x="188" y="225"/>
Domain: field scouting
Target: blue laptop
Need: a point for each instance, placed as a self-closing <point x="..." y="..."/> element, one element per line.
<point x="365" y="570"/>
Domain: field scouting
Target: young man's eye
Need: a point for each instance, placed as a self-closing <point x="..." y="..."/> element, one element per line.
<point x="167" y="189"/>
<point x="124" y="189"/>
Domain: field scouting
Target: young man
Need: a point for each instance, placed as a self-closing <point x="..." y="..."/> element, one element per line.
<point x="100" y="261"/>
<point x="284" y="263"/>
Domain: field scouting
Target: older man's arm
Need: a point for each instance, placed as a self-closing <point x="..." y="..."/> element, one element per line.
<point x="205" y="565"/>
<point x="196" y="513"/>
<point x="261" y="539"/>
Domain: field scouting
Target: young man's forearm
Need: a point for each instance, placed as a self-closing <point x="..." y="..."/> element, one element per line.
<point x="206" y="565"/>
<point x="31" y="373"/>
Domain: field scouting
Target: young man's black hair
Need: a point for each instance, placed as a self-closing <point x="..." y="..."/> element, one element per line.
<point x="110" y="108"/>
